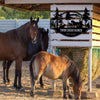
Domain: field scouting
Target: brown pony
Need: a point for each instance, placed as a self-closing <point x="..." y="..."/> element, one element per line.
<point x="14" y="45"/>
<point x="55" y="67"/>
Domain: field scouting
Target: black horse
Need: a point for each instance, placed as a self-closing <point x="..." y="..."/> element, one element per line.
<point x="41" y="45"/>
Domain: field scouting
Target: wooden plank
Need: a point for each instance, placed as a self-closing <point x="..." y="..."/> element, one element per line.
<point x="10" y="22"/>
<point x="49" y="1"/>
<point x="71" y="43"/>
<point x="96" y="36"/>
<point x="69" y="21"/>
<point x="42" y="22"/>
<point x="96" y="43"/>
<point x="96" y="8"/>
<point x="95" y="29"/>
<point x="95" y="22"/>
<point x="62" y="37"/>
<point x="63" y="16"/>
<point x="53" y="31"/>
<point x="71" y="7"/>
<point x="13" y="6"/>
<point x="96" y="16"/>
<point x="6" y="25"/>
<point x="89" y="31"/>
<point x="3" y="25"/>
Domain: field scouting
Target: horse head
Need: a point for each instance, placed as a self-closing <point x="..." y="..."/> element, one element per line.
<point x="34" y="29"/>
<point x="44" y="39"/>
<point x="77" y="88"/>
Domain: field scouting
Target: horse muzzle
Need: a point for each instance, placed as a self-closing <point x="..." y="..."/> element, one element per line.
<point x="34" y="41"/>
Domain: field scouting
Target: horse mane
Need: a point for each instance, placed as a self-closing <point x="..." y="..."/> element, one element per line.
<point x="74" y="70"/>
<point x="42" y="30"/>
<point x="75" y="73"/>
<point x="44" y="33"/>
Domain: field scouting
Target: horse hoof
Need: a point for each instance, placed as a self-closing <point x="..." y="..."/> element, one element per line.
<point x="41" y="85"/>
<point x="64" y="97"/>
<point x="70" y="96"/>
<point x="15" y="86"/>
<point x="4" y="81"/>
<point x="20" y="88"/>
<point x="31" y="94"/>
<point x="8" y="80"/>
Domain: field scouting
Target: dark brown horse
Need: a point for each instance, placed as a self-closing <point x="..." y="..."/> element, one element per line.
<point x="41" y="45"/>
<point x="14" y="45"/>
<point x="55" y="67"/>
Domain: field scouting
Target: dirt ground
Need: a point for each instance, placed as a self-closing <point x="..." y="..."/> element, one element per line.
<point x="8" y="92"/>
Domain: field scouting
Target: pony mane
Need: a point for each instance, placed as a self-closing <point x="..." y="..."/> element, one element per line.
<point x="74" y="71"/>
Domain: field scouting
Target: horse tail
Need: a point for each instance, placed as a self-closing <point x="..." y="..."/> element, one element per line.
<point x="31" y="68"/>
<point x="32" y="60"/>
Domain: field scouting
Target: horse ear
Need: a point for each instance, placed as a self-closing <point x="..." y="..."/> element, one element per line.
<point x="47" y="30"/>
<point x="37" y="19"/>
<point x="31" y="19"/>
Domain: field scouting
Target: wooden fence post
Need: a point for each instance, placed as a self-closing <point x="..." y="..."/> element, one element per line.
<point x="53" y="82"/>
<point x="90" y="70"/>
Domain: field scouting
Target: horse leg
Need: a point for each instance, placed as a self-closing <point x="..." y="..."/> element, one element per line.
<point x="15" y="80"/>
<point x="18" y="73"/>
<point x="64" y="88"/>
<point x="32" y="87"/>
<point x="4" y="68"/>
<point x="69" y="95"/>
<point x="68" y="87"/>
<point x="41" y="82"/>
<point x="53" y="85"/>
<point x="34" y="78"/>
<point x="33" y="81"/>
<point x="7" y="70"/>
<point x="19" y="81"/>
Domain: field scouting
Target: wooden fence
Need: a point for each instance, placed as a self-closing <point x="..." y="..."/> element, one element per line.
<point x="6" y="25"/>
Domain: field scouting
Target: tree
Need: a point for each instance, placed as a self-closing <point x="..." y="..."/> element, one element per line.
<point x="56" y="17"/>
<point x="9" y="13"/>
<point x="68" y="17"/>
<point x="86" y="15"/>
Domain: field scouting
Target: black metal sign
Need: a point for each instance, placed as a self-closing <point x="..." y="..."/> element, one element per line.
<point x="71" y="23"/>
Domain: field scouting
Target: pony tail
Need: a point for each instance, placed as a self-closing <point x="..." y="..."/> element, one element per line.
<point x="32" y="60"/>
<point x="31" y="68"/>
